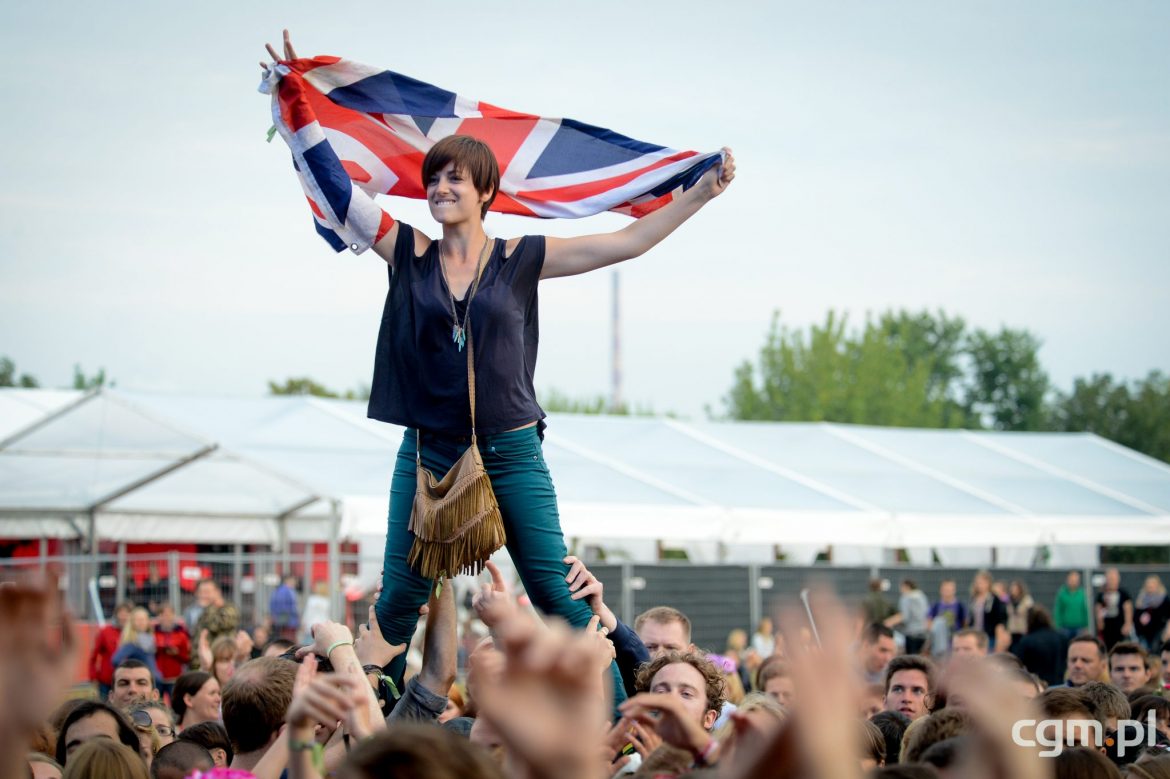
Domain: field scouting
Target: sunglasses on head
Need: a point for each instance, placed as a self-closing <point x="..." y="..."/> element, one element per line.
<point x="142" y="719"/>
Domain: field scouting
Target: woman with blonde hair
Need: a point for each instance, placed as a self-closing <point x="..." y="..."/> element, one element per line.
<point x="137" y="642"/>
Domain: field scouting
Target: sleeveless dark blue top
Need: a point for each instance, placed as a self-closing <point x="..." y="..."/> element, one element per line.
<point x="420" y="375"/>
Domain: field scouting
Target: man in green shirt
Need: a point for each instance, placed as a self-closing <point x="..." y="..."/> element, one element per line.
<point x="1071" y="611"/>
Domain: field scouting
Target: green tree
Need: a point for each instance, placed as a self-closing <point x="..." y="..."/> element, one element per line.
<point x="556" y="401"/>
<point x="83" y="382"/>
<point x="8" y="377"/>
<point x="305" y="386"/>
<point x="898" y="370"/>
<point x="1136" y="415"/>
<point x="1007" y="386"/>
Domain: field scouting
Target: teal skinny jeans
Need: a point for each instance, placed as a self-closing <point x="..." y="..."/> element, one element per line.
<point x="528" y="504"/>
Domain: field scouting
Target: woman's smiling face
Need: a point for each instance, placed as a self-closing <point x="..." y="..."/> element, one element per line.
<point x="452" y="196"/>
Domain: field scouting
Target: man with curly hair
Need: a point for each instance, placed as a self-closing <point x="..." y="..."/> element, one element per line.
<point x="680" y="695"/>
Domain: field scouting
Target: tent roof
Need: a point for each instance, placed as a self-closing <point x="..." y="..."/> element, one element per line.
<point x="181" y="467"/>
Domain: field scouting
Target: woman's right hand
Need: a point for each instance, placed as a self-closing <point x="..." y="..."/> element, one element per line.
<point x="289" y="52"/>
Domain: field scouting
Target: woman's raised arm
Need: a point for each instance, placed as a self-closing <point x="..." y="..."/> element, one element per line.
<point x="571" y="256"/>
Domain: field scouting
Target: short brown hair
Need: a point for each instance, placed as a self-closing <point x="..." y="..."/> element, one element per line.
<point x="980" y="636"/>
<point x="772" y="668"/>
<point x="255" y="701"/>
<point x="472" y="157"/>
<point x="939" y="726"/>
<point x="1060" y="702"/>
<point x="714" y="686"/>
<point x="1129" y="648"/>
<point x="910" y="663"/>
<point x="663" y="615"/>
<point x="409" y="750"/>
<point x="1104" y="701"/>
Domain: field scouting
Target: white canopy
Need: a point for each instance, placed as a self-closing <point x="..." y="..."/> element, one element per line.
<point x="155" y="467"/>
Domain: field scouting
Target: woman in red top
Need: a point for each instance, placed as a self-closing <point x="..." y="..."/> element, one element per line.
<point x="101" y="659"/>
<point x="172" y="648"/>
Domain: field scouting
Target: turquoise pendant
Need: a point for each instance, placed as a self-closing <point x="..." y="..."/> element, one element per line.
<point x="458" y="336"/>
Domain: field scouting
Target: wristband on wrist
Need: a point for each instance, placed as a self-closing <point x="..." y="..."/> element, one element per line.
<point x="318" y="752"/>
<point x="707" y="755"/>
<point x="376" y="670"/>
<point x="336" y="644"/>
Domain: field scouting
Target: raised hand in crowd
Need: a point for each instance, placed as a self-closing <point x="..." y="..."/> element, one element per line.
<point x="665" y="715"/>
<point x="371" y="646"/>
<point x="493" y="603"/>
<point x="550" y="714"/>
<point x="37" y="653"/>
<point x="583" y="584"/>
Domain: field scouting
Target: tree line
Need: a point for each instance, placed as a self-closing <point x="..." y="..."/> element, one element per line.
<point x="931" y="370"/>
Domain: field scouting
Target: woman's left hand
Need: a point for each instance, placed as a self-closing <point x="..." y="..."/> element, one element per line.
<point x="715" y="181"/>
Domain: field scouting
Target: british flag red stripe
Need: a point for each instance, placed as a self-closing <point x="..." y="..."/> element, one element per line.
<point x="356" y="131"/>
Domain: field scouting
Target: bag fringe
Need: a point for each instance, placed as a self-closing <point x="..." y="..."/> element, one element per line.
<point x="458" y="528"/>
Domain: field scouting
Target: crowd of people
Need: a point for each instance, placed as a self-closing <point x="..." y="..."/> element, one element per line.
<point x="983" y="686"/>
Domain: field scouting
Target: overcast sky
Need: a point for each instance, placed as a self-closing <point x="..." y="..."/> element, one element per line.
<point x="1006" y="162"/>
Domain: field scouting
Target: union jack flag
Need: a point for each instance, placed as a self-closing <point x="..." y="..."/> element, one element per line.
<point x="357" y="131"/>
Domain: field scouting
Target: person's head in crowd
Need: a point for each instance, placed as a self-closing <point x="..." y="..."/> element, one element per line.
<point x="277" y="647"/>
<point x="1017" y="591"/>
<point x="761" y="712"/>
<point x="261" y="635"/>
<point x="1068" y="706"/>
<point x="41" y="766"/>
<point x="93" y="720"/>
<point x="1140" y="710"/>
<point x="908" y="586"/>
<point x="207" y="593"/>
<point x="1165" y="656"/>
<point x="968" y="643"/>
<point x="893" y="726"/>
<point x="139" y="622"/>
<point x="947" y="590"/>
<point x="1112" y="579"/>
<point x="937" y="727"/>
<point x="406" y="751"/>
<point x="1004" y="662"/>
<point x="690" y="677"/>
<point x="871" y="700"/>
<point x="737" y="640"/>
<point x="774" y="679"/>
<point x="213" y="737"/>
<point x="981" y="583"/>
<point x="1073" y="580"/>
<point x="946" y="756"/>
<point x="909" y="680"/>
<point x="1149" y="767"/>
<point x="664" y="629"/>
<point x="455" y="705"/>
<point x="162" y="719"/>
<point x="1083" y="763"/>
<point x="105" y="759"/>
<point x="876" y="648"/>
<point x="1106" y="703"/>
<point x="166" y="616"/>
<point x="179" y="760"/>
<point x="122" y="614"/>
<point x="255" y="702"/>
<point x="872" y="745"/>
<point x="195" y="698"/>
<point x="148" y="738"/>
<point x="223" y="656"/>
<point x="133" y="682"/>
<point x="1129" y="668"/>
<point x="1086" y="661"/>
<point x="1039" y="618"/>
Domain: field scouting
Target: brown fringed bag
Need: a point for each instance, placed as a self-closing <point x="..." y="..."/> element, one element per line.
<point x="456" y="521"/>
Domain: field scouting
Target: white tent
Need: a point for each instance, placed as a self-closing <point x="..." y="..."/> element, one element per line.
<point x="152" y="467"/>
